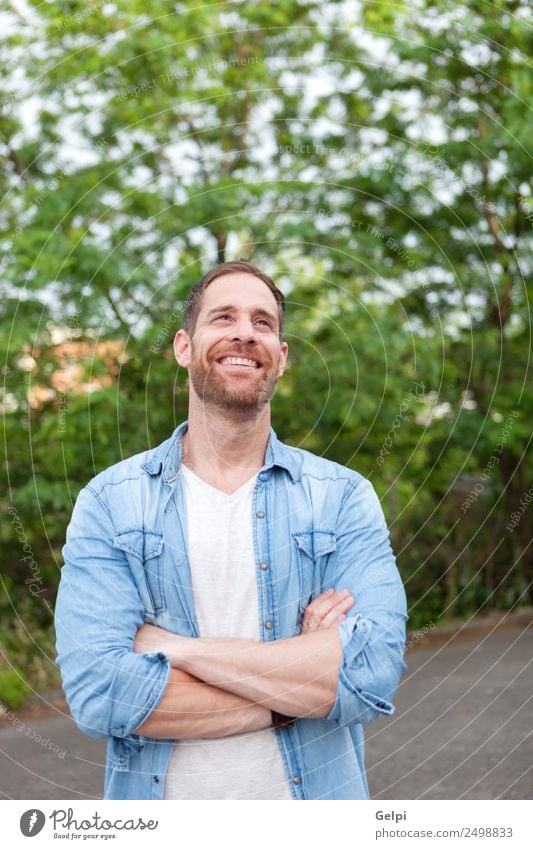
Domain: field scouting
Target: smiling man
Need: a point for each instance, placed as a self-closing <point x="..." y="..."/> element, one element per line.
<point x="232" y="346"/>
<point x="230" y="613"/>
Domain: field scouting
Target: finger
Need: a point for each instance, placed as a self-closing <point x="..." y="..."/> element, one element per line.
<point x="316" y="609"/>
<point x="321" y="599"/>
<point x="321" y="606"/>
<point x="325" y="601"/>
<point x="315" y="612"/>
<point x="335" y="622"/>
<point x="339" y="610"/>
<point x="327" y="618"/>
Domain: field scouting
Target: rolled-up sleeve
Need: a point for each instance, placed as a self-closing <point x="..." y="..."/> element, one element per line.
<point x="373" y="634"/>
<point x="110" y="689"/>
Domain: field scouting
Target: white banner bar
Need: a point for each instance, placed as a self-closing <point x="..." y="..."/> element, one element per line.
<point x="251" y="825"/>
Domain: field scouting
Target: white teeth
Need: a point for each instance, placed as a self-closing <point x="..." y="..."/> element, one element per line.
<point x="238" y="361"/>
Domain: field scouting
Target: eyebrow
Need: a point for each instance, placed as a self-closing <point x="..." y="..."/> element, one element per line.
<point x="232" y="308"/>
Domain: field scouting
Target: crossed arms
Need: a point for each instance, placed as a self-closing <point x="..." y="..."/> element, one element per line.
<point x="118" y="687"/>
<point x="219" y="687"/>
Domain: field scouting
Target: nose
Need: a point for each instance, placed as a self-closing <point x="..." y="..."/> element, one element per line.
<point x="243" y="330"/>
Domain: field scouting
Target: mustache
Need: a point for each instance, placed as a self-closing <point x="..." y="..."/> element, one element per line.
<point x="238" y="350"/>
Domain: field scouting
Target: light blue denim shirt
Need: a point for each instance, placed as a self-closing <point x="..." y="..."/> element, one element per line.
<point x="316" y="524"/>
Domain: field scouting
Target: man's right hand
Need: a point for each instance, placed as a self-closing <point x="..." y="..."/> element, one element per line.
<point x="327" y="610"/>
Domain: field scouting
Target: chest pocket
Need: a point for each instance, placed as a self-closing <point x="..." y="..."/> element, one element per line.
<point x="143" y="550"/>
<point x="313" y="548"/>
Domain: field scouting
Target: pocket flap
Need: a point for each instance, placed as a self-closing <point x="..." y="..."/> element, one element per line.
<point x="315" y="543"/>
<point x="142" y="544"/>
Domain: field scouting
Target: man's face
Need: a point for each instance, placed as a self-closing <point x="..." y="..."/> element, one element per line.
<point x="235" y="356"/>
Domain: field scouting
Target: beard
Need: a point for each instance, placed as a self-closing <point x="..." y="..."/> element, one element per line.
<point x="230" y="392"/>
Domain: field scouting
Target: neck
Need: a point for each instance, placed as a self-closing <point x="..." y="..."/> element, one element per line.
<point x="225" y="446"/>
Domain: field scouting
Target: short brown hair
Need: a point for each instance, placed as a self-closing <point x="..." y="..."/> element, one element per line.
<point x="192" y="304"/>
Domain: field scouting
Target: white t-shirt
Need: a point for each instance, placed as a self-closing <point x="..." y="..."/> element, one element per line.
<point x="224" y="588"/>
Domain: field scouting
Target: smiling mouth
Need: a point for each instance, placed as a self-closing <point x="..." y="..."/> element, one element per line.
<point x="243" y="362"/>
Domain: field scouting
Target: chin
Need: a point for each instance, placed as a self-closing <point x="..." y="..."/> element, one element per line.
<point x="242" y="405"/>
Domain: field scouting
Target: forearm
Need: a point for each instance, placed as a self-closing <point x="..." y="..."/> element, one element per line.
<point x="191" y="709"/>
<point x="297" y="676"/>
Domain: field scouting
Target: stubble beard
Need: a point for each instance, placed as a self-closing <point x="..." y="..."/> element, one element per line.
<point x="245" y="399"/>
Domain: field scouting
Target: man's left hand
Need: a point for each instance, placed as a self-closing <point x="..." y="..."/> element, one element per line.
<point x="327" y="610"/>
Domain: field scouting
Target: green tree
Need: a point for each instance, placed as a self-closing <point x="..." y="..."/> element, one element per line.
<point x="376" y="163"/>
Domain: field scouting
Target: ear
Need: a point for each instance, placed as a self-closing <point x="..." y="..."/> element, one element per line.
<point x="182" y="348"/>
<point x="283" y="354"/>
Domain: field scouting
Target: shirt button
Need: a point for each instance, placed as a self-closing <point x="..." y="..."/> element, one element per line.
<point x="260" y="514"/>
<point x="156" y="779"/>
<point x="268" y="625"/>
<point x="178" y="562"/>
<point x="296" y="780"/>
<point x="122" y="759"/>
<point x="263" y="566"/>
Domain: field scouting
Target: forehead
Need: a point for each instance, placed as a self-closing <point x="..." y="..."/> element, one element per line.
<point x="239" y="289"/>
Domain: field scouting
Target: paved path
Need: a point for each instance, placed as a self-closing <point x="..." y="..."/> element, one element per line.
<point x="463" y="726"/>
<point x="462" y="730"/>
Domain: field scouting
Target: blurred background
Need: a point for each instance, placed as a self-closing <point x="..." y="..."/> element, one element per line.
<point x="375" y="160"/>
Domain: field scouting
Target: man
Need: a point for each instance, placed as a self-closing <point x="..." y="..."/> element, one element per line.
<point x="230" y="613"/>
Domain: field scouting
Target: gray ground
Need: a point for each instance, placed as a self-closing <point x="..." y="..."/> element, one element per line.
<point x="462" y="730"/>
<point x="463" y="726"/>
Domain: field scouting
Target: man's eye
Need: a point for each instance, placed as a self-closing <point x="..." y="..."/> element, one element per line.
<point x="264" y="322"/>
<point x="224" y="316"/>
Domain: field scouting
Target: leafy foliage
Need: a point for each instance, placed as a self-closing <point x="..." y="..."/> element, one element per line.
<point x="376" y="163"/>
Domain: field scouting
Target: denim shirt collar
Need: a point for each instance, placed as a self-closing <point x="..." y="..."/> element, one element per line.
<point x="167" y="456"/>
